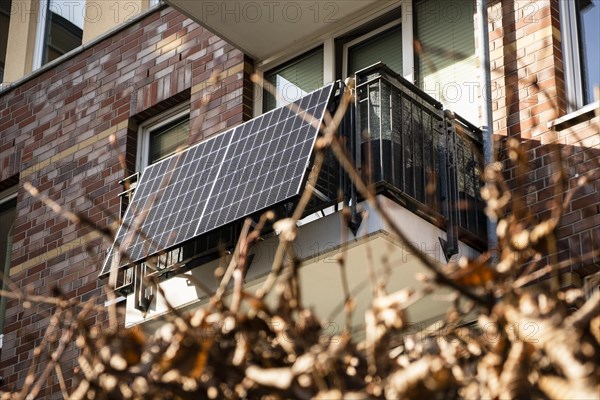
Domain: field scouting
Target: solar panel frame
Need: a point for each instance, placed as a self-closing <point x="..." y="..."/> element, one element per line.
<point x="167" y="210"/>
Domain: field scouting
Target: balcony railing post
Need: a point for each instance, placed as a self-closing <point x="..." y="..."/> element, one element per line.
<point x="355" y="215"/>
<point x="348" y="135"/>
<point x="144" y="288"/>
<point x="450" y="244"/>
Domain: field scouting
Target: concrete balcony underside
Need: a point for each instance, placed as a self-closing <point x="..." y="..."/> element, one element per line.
<point x="263" y="29"/>
<point x="319" y="242"/>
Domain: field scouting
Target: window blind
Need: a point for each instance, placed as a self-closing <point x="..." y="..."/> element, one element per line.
<point x="446" y="63"/>
<point x="165" y="140"/>
<point x="385" y="47"/>
<point x="295" y="79"/>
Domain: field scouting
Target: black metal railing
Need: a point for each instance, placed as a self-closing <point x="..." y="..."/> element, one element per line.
<point x="469" y="156"/>
<point x="401" y="135"/>
<point x="406" y="142"/>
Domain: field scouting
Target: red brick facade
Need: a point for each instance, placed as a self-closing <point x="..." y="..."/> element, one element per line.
<point x="55" y="132"/>
<point x="529" y="96"/>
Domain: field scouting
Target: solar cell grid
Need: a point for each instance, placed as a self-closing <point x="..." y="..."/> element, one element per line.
<point x="239" y="172"/>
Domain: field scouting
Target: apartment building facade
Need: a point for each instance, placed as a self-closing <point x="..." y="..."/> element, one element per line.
<point x="87" y="102"/>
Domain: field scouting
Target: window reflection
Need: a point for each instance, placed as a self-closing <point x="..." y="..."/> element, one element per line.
<point x="64" y="28"/>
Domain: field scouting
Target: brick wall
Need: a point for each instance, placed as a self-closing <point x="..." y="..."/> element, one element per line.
<point x="579" y="233"/>
<point x="54" y="133"/>
<point x="529" y="95"/>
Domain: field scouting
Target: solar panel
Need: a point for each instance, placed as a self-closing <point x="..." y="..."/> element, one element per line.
<point x="244" y="170"/>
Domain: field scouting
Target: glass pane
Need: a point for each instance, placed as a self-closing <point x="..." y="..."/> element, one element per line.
<point x="64" y="30"/>
<point x="71" y="10"/>
<point x="294" y="80"/>
<point x="589" y="16"/>
<point x="445" y="62"/>
<point x="165" y="140"/>
<point x="385" y="47"/>
<point x="7" y="218"/>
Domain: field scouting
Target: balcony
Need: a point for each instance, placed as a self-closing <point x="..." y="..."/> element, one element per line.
<point x="422" y="162"/>
<point x="407" y="147"/>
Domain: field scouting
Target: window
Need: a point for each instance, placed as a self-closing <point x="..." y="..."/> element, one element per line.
<point x="4" y="23"/>
<point x="445" y="63"/>
<point x="161" y="137"/>
<point x="294" y="79"/>
<point x="383" y="44"/>
<point x="581" y="35"/>
<point x="60" y="29"/>
<point x="7" y="218"/>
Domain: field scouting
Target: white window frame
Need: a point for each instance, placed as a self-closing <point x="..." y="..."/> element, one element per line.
<point x="147" y="127"/>
<point x="327" y="40"/>
<point x="40" y="34"/>
<point x="574" y="89"/>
